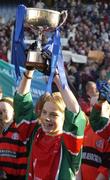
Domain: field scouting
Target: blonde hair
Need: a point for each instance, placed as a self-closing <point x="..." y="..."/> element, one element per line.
<point x="55" y="97"/>
<point x="8" y="100"/>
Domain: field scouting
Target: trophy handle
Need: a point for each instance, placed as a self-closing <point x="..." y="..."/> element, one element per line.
<point x="65" y="15"/>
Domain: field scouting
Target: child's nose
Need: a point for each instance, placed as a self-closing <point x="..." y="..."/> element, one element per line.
<point x="47" y="119"/>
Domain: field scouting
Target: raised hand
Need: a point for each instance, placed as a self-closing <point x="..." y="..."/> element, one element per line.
<point x="105" y="112"/>
<point x="104" y="90"/>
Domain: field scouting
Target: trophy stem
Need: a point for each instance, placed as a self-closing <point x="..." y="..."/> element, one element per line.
<point x="39" y="39"/>
<point x="39" y="42"/>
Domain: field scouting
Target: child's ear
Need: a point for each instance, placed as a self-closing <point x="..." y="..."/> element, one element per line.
<point x="39" y="120"/>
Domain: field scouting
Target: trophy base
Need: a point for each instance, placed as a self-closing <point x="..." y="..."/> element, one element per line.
<point x="35" y="61"/>
<point x="36" y="65"/>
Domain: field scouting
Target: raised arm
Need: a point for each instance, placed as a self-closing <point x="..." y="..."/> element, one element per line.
<point x="69" y="98"/>
<point x="99" y="119"/>
<point x="24" y="86"/>
<point x="23" y="103"/>
<point x="100" y="115"/>
<point x="74" y="123"/>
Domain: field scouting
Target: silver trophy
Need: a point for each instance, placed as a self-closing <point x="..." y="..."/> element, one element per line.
<point x="41" y="21"/>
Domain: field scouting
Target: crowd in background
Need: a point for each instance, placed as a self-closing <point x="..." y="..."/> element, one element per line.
<point x="86" y="29"/>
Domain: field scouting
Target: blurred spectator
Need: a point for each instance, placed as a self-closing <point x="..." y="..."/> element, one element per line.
<point x="3" y="53"/>
<point x="40" y="4"/>
<point x="86" y="101"/>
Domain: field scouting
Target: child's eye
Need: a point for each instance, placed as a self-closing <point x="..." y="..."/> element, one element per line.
<point x="43" y="112"/>
<point x="5" y="111"/>
<point x="53" y="115"/>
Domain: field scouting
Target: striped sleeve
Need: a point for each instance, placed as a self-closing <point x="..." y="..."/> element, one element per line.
<point x="74" y="131"/>
<point x="104" y="168"/>
<point x="24" y="115"/>
<point x="23" y="107"/>
<point x="100" y="125"/>
<point x="26" y="129"/>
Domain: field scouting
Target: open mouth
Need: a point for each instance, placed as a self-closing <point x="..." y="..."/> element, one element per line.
<point x="47" y="126"/>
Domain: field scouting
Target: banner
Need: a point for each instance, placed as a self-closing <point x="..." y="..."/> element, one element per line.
<point x="76" y="58"/>
<point x="8" y="81"/>
<point x="96" y="55"/>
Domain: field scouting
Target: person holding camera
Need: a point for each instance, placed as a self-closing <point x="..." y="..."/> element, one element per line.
<point x="56" y="135"/>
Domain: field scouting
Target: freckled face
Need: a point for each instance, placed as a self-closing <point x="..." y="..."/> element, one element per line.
<point x="51" y="119"/>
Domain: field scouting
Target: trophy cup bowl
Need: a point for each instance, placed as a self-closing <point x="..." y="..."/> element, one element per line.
<point x="42" y="17"/>
<point x="42" y="20"/>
